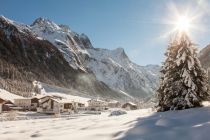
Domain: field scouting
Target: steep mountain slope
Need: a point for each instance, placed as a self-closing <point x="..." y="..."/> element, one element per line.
<point x="25" y="57"/>
<point x="60" y="35"/>
<point x="204" y="57"/>
<point x="112" y="67"/>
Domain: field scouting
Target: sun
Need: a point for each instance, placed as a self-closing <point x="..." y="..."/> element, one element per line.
<point x="183" y="24"/>
<point x="186" y="19"/>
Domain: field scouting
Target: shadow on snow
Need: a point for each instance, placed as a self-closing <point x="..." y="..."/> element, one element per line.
<point x="191" y="124"/>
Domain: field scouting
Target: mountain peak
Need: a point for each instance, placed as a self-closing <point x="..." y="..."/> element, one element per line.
<point x="120" y="51"/>
<point x="11" y="25"/>
<point x="43" y="22"/>
<point x="86" y="41"/>
<point x="2" y="18"/>
<point x="40" y="20"/>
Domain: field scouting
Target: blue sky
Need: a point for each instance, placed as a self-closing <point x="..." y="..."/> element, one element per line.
<point x="135" y="25"/>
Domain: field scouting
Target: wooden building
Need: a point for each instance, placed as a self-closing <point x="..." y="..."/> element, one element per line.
<point x="50" y="105"/>
<point x="98" y="105"/>
<point x="25" y="103"/>
<point x="129" y="106"/>
<point x="114" y="104"/>
<point x="7" y="100"/>
<point x="5" y="105"/>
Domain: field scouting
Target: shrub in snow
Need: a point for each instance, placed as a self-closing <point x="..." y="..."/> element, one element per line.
<point x="184" y="83"/>
<point x="117" y="113"/>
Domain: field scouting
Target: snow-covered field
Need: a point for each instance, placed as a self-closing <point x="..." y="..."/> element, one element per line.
<point x="192" y="124"/>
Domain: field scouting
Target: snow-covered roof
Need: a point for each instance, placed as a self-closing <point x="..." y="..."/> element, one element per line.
<point x="131" y="103"/>
<point x="5" y="95"/>
<point x="63" y="100"/>
<point x="96" y="100"/>
<point x="113" y="101"/>
<point x="39" y="96"/>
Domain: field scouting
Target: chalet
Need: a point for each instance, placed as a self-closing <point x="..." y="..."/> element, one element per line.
<point x="5" y="105"/>
<point x="114" y="104"/>
<point x="24" y="103"/>
<point x="50" y="105"/>
<point x="7" y="100"/>
<point x="95" y="104"/>
<point x="47" y="105"/>
<point x="28" y="103"/>
<point x="129" y="106"/>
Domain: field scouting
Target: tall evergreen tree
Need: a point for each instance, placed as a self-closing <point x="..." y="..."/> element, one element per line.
<point x="184" y="84"/>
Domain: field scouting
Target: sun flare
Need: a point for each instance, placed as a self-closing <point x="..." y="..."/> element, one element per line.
<point x="183" y="24"/>
<point x="178" y="20"/>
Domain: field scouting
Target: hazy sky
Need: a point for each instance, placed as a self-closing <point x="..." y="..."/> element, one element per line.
<point x="136" y="25"/>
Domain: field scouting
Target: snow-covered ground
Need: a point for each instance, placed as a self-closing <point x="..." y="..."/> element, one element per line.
<point x="191" y="124"/>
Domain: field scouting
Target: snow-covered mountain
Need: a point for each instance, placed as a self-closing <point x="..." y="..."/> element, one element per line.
<point x="65" y="40"/>
<point x="26" y="57"/>
<point x="111" y="67"/>
<point x="114" y="68"/>
<point x="204" y="56"/>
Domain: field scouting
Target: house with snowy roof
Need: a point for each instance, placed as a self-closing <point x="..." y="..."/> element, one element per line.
<point x="129" y="106"/>
<point x="24" y="103"/>
<point x="96" y="104"/>
<point x="114" y="104"/>
<point x="4" y="105"/>
<point x="30" y="103"/>
<point x="7" y="100"/>
<point x="27" y="103"/>
<point x="51" y="105"/>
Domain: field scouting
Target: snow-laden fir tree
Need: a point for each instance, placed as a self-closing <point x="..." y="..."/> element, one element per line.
<point x="184" y="83"/>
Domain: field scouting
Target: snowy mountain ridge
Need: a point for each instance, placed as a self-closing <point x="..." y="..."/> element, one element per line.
<point x="112" y="67"/>
<point x="61" y="37"/>
<point x="26" y="57"/>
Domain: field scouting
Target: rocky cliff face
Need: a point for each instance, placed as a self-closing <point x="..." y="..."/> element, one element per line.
<point x="56" y="55"/>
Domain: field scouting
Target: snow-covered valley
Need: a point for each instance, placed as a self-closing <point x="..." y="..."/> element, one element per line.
<point x="191" y="124"/>
<point x="56" y="85"/>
